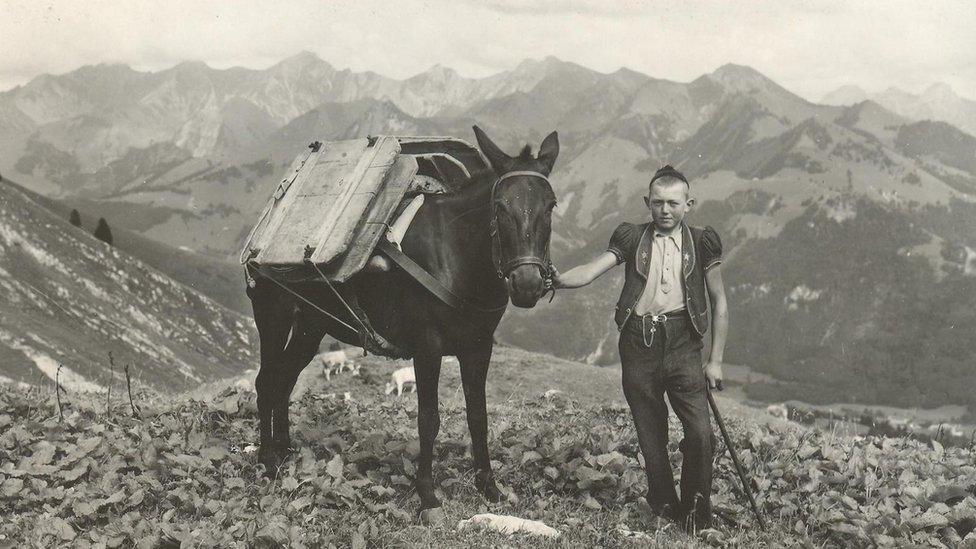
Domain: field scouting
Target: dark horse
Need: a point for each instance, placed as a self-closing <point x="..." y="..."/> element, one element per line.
<point x="488" y="243"/>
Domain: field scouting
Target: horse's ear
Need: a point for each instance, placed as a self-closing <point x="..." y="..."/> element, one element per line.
<point x="548" y="151"/>
<point x="496" y="157"/>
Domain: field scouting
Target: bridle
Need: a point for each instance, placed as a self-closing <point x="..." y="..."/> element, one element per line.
<point x="503" y="267"/>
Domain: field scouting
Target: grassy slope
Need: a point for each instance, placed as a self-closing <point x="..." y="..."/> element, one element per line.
<point x="69" y="299"/>
<point x="184" y="472"/>
<point x="220" y="280"/>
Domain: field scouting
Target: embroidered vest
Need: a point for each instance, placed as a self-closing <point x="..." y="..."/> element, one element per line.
<point x="692" y="280"/>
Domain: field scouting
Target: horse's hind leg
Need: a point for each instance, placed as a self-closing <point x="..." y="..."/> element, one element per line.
<point x="474" y="375"/>
<point x="428" y="371"/>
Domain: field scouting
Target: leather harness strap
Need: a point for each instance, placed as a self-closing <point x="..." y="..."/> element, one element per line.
<point x="428" y="281"/>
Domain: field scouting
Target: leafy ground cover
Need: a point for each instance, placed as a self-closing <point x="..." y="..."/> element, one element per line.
<point x="184" y="472"/>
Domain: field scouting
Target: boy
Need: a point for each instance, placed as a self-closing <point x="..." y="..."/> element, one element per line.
<point x="662" y="316"/>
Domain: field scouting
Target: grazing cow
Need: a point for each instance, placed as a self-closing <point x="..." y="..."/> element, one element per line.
<point x="334" y="362"/>
<point x="333" y="358"/>
<point x="402" y="377"/>
<point x="778" y="410"/>
<point x="953" y="430"/>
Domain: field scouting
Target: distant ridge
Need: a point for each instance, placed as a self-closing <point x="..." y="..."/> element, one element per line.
<point x="938" y="102"/>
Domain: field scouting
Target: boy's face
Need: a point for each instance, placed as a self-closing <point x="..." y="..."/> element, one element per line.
<point x="668" y="202"/>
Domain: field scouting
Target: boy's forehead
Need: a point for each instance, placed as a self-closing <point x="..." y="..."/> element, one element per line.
<point x="669" y="189"/>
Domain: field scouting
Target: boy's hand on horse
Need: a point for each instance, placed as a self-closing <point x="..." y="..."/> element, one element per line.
<point x="713" y="372"/>
<point x="581" y="275"/>
<point x="553" y="281"/>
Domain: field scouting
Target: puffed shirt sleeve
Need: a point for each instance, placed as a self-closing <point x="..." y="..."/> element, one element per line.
<point x="711" y="248"/>
<point x="622" y="242"/>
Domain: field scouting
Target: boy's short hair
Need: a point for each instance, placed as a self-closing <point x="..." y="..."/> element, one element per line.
<point x="666" y="174"/>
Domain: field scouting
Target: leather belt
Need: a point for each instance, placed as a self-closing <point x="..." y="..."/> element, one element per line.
<point x="681" y="314"/>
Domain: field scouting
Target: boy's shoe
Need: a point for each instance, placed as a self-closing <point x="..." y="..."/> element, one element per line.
<point x="694" y="522"/>
<point x="713" y="537"/>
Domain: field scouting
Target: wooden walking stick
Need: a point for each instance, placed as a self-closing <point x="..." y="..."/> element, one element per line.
<point x="735" y="460"/>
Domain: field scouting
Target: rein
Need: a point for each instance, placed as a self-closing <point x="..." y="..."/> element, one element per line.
<point x="506" y="266"/>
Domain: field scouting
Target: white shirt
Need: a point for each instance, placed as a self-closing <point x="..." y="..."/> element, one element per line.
<point x="663" y="292"/>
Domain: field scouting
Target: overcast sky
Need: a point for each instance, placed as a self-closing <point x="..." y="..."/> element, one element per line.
<point x="808" y="47"/>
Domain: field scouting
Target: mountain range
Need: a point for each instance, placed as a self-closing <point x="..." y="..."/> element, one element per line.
<point x="938" y="102"/>
<point x="848" y="228"/>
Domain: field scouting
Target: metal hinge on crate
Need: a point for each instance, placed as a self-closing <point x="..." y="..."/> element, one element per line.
<point x="314" y="147"/>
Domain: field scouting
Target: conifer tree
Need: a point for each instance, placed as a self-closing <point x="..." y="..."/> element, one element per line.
<point x="103" y="232"/>
<point x="75" y="218"/>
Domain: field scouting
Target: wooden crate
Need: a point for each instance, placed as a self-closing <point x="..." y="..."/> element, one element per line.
<point x="332" y="206"/>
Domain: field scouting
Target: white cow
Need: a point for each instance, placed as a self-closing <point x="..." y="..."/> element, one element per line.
<point x="954" y="430"/>
<point x="778" y="410"/>
<point x="334" y="361"/>
<point x="402" y="377"/>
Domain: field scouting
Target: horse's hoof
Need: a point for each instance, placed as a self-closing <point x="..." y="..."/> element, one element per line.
<point x="492" y="494"/>
<point x="490" y="490"/>
<point x="433" y="517"/>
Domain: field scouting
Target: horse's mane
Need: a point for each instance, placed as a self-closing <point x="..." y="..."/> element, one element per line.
<point x="525" y="154"/>
<point x="482" y="179"/>
<point x="482" y="176"/>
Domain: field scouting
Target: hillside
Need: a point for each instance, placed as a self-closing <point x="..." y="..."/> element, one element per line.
<point x="216" y="278"/>
<point x="69" y="300"/>
<point x="568" y="459"/>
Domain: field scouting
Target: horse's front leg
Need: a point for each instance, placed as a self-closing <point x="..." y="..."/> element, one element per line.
<point x="273" y="318"/>
<point x="300" y="350"/>
<point x="474" y="375"/>
<point x="427" y="370"/>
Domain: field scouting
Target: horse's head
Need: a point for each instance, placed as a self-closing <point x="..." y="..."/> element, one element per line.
<point x="521" y="217"/>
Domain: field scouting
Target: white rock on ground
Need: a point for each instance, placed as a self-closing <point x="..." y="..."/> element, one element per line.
<point x="509" y="525"/>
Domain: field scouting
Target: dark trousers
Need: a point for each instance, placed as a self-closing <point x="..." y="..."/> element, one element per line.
<point x="659" y="358"/>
